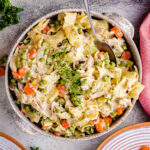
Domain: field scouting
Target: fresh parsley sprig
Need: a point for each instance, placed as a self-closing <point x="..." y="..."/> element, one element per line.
<point x="4" y="4"/>
<point x="9" y="14"/>
<point x="34" y="148"/>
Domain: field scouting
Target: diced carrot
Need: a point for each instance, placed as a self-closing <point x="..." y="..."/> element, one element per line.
<point x="108" y="120"/>
<point x="126" y="55"/>
<point x="30" y="85"/>
<point x="145" y="147"/>
<point x="33" y="85"/>
<point x="22" y="71"/>
<point x="32" y="53"/>
<point x="92" y="122"/>
<point x="2" y="71"/>
<point x="117" y="31"/>
<point x="57" y="133"/>
<point x="99" y="54"/>
<point x="45" y="127"/>
<point x="119" y="111"/>
<point x="46" y="29"/>
<point x="23" y="111"/>
<point x="65" y="124"/>
<point x="100" y="126"/>
<point x="18" y="45"/>
<point x="29" y="89"/>
<point x="86" y="97"/>
<point x="16" y="75"/>
<point x="62" y="90"/>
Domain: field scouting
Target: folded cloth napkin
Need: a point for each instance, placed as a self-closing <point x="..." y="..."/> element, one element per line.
<point x="145" y="56"/>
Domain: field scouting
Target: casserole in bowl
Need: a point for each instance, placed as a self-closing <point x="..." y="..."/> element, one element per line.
<point x="67" y="87"/>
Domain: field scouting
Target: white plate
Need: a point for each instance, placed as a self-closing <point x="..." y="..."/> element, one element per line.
<point x="8" y="143"/>
<point x="129" y="138"/>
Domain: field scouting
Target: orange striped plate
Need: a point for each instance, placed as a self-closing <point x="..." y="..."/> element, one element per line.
<point x="8" y="143"/>
<point x="131" y="137"/>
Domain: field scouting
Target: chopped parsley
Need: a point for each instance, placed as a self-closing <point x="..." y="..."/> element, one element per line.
<point x="34" y="148"/>
<point x="69" y="76"/>
<point x="9" y="14"/>
<point x="76" y="100"/>
<point x="3" y="60"/>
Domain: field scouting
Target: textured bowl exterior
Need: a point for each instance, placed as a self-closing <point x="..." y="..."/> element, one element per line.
<point x="135" y="54"/>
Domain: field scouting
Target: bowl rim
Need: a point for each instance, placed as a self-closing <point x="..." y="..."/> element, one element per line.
<point x="32" y="125"/>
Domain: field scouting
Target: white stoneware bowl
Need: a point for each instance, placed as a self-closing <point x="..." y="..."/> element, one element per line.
<point x="113" y="19"/>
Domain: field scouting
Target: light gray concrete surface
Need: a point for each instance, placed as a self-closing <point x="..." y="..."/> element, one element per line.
<point x="134" y="10"/>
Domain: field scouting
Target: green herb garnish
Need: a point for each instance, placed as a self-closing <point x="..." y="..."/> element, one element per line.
<point x="34" y="148"/>
<point x="3" y="60"/>
<point x="9" y="14"/>
<point x="76" y="101"/>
